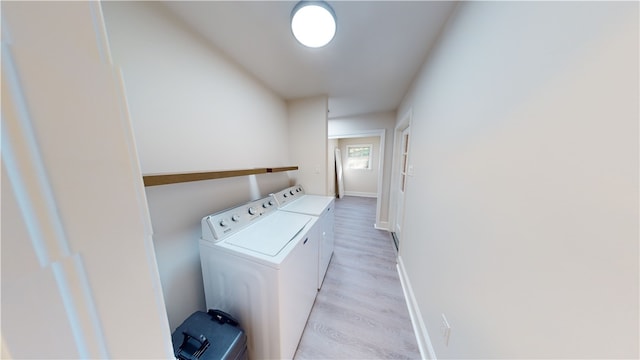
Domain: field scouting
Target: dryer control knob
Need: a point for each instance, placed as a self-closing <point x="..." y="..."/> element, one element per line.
<point x="235" y="217"/>
<point x="291" y="192"/>
<point x="223" y="223"/>
<point x="252" y="211"/>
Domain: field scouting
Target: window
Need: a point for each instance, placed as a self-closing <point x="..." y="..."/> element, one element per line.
<point x="359" y="157"/>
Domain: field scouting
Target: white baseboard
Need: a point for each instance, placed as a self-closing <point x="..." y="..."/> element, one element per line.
<point x="361" y="194"/>
<point x="422" y="336"/>
<point x="382" y="225"/>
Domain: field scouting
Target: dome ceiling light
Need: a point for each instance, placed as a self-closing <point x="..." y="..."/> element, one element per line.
<point x="313" y="23"/>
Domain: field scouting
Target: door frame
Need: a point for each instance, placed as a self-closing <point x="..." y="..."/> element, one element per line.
<point x="372" y="133"/>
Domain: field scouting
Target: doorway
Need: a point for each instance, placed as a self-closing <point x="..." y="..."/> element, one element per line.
<point x="357" y="144"/>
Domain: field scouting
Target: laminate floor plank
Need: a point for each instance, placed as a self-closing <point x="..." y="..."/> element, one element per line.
<point x="360" y="312"/>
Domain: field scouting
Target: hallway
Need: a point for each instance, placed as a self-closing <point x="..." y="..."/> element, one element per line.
<point x="360" y="312"/>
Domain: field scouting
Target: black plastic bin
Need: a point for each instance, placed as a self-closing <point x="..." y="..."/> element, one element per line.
<point x="208" y="336"/>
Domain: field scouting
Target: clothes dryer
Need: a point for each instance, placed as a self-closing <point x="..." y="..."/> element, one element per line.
<point x="295" y="199"/>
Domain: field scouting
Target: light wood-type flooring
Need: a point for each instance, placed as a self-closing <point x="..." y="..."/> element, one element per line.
<point x="360" y="312"/>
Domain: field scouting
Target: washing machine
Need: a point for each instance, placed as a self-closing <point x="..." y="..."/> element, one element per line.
<point x="261" y="265"/>
<point x="294" y="199"/>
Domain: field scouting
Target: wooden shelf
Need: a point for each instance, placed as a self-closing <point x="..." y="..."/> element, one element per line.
<point x="281" y="169"/>
<point x="164" y="179"/>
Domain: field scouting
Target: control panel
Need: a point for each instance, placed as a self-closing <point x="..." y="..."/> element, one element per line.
<point x="220" y="225"/>
<point x="287" y="195"/>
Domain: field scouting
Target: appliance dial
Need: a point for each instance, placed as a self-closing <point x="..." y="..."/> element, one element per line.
<point x="252" y="211"/>
<point x="270" y="202"/>
<point x="235" y="217"/>
<point x="266" y="205"/>
<point x="291" y="192"/>
<point x="285" y="195"/>
<point x="223" y="223"/>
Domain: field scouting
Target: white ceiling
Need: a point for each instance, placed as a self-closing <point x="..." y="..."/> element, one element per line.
<point x="378" y="48"/>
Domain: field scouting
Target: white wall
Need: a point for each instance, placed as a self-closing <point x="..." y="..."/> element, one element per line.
<point x="366" y="123"/>
<point x="359" y="182"/>
<point x="308" y="142"/>
<point x="192" y="110"/>
<point x="522" y="216"/>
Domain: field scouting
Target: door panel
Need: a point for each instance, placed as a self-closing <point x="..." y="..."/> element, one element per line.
<point x="79" y="278"/>
<point x="339" y="173"/>
<point x="402" y="183"/>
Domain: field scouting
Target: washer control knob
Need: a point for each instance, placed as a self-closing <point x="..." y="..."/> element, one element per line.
<point x="252" y="211"/>
<point x="266" y="205"/>
<point x="235" y="217"/>
<point x="270" y="202"/>
<point x="285" y="195"/>
<point x="291" y="192"/>
<point x="223" y="223"/>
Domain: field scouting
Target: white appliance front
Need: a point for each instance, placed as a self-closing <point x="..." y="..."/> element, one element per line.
<point x="294" y="199"/>
<point x="263" y="273"/>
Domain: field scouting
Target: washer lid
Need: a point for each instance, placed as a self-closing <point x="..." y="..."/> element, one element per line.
<point x="271" y="234"/>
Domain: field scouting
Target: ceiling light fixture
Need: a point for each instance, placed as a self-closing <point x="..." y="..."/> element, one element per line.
<point x="313" y="23"/>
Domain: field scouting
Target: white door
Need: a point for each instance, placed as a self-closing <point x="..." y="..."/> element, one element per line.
<point x="79" y="277"/>
<point x="403" y="158"/>
<point x="339" y="173"/>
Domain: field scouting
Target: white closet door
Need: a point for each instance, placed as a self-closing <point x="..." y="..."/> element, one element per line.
<point x="79" y="277"/>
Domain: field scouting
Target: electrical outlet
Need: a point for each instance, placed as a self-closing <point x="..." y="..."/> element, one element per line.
<point x="445" y="330"/>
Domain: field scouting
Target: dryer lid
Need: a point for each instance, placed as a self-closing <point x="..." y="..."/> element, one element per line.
<point x="309" y="204"/>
